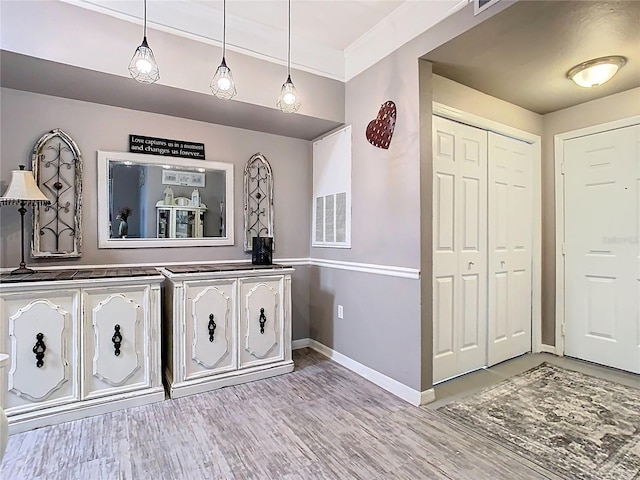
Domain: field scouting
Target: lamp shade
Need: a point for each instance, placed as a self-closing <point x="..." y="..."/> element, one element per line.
<point x="23" y="189"/>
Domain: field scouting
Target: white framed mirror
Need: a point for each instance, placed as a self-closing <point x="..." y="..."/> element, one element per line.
<point x="153" y="201"/>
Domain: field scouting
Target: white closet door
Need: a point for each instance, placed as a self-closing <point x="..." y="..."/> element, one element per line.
<point x="510" y="238"/>
<point x="459" y="248"/>
<point x="602" y="252"/>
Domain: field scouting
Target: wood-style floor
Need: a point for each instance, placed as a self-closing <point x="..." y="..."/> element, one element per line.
<point x="319" y="422"/>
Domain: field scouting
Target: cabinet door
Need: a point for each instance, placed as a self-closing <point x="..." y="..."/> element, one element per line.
<point x="261" y="320"/>
<point x="39" y="332"/>
<point x="210" y="333"/>
<point x="116" y="340"/>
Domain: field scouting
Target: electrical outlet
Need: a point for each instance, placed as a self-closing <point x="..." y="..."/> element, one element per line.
<point x="340" y="311"/>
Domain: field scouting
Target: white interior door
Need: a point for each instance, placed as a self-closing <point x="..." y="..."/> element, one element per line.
<point x="510" y="243"/>
<point x="459" y="248"/>
<point x="602" y="251"/>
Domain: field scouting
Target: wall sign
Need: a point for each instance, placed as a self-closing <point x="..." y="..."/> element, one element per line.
<point x="166" y="147"/>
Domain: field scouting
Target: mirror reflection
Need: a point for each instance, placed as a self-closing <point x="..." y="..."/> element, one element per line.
<point x="146" y="200"/>
<point x="161" y="201"/>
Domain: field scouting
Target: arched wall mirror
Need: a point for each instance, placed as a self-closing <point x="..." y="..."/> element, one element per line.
<point x="57" y="167"/>
<point x="151" y="201"/>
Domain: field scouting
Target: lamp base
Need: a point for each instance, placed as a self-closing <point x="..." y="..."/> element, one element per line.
<point x="22" y="270"/>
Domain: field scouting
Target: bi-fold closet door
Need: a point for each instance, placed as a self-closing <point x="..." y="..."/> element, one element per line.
<point x="482" y="230"/>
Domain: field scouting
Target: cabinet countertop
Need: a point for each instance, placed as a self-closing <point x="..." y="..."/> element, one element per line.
<point x="99" y="273"/>
<point x="221" y="267"/>
<point x="80" y="274"/>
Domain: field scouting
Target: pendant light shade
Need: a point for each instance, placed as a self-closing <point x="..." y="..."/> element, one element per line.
<point x="289" y="100"/>
<point x="597" y="71"/>
<point x="222" y="84"/>
<point x="143" y="67"/>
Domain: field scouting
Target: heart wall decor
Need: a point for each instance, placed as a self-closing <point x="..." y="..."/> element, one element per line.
<point x="380" y="130"/>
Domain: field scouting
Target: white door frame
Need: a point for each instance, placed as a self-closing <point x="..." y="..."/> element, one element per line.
<point x="559" y="140"/>
<point x="536" y="141"/>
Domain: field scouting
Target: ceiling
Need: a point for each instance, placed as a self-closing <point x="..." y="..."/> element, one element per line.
<point x="336" y="23"/>
<point x="523" y="53"/>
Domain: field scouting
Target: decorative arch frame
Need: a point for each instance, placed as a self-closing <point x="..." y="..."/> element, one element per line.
<point x="57" y="166"/>
<point x="258" y="200"/>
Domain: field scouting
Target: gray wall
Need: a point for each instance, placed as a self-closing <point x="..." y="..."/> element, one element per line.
<point x="390" y="208"/>
<point x="26" y="116"/>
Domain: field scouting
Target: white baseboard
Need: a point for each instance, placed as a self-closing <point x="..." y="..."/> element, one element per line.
<point x="298" y="344"/>
<point x="547" y="348"/>
<point x="389" y="384"/>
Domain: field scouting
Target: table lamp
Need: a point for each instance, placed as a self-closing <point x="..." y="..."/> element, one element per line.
<point x="23" y="191"/>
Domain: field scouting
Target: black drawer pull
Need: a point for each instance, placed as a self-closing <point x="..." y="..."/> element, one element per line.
<point x="262" y="320"/>
<point x="39" y="349"/>
<point x="211" y="327"/>
<point x="117" y="340"/>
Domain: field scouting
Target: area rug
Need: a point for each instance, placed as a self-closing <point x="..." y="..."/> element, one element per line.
<point x="574" y="425"/>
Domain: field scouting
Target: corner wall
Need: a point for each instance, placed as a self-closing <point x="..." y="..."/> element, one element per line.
<point x="607" y="109"/>
<point x="388" y="327"/>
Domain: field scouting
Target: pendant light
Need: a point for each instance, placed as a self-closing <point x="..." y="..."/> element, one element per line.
<point x="222" y="84"/>
<point x="143" y="67"/>
<point x="597" y="71"/>
<point x="289" y="101"/>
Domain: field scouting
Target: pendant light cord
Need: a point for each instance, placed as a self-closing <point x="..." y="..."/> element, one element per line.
<point x="224" y="28"/>
<point x="289" y="49"/>
<point x="145" y="19"/>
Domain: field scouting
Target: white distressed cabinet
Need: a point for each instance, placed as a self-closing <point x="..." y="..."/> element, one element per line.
<point x="79" y="347"/>
<point x="224" y="325"/>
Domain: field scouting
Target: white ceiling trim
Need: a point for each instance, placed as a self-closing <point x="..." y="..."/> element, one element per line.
<point x="194" y="21"/>
<point x="403" y="24"/>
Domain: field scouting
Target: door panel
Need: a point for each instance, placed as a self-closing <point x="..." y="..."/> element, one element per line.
<point x="470" y="313"/>
<point x="602" y="252"/>
<point x="116" y="339"/>
<point x="210" y="329"/>
<point x="446" y="201"/>
<point x="50" y="321"/>
<point x="510" y="241"/>
<point x="460" y="248"/>
<point x="444" y="321"/>
<point x="261" y="320"/>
